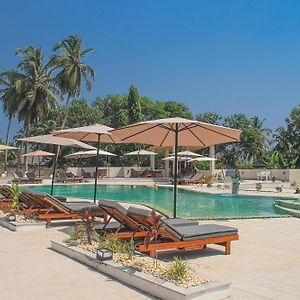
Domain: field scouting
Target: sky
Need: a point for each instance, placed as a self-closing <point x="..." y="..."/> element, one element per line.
<point x="215" y="56"/>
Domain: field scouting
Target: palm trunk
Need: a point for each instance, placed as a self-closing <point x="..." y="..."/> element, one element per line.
<point x="64" y="123"/>
<point x="6" y="141"/>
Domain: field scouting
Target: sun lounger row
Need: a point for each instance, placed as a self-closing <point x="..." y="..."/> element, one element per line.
<point x="43" y="206"/>
<point x="172" y="233"/>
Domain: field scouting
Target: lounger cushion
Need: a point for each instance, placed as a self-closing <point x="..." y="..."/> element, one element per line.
<point x="139" y="211"/>
<point x="112" y="204"/>
<point x="80" y="208"/>
<point x="178" y="222"/>
<point x="196" y="232"/>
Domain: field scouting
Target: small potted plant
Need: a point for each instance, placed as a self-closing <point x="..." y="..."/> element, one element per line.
<point x="273" y="179"/>
<point x="15" y="190"/>
<point x="258" y="187"/>
<point x="279" y="189"/>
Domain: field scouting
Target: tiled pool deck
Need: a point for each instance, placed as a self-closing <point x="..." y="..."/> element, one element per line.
<point x="264" y="264"/>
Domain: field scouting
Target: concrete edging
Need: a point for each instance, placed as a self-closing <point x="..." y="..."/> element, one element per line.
<point x="16" y="226"/>
<point x="144" y="282"/>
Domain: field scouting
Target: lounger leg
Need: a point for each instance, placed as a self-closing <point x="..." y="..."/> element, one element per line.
<point x="205" y="246"/>
<point x="227" y="248"/>
<point x="151" y="253"/>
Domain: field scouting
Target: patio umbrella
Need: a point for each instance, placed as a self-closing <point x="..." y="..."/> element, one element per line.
<point x="58" y="141"/>
<point x="91" y="153"/>
<point x="38" y="154"/>
<point x="177" y="132"/>
<point x="141" y="152"/>
<point x="93" y="133"/>
<point x="187" y="153"/>
<point x="87" y="154"/>
<point x="202" y="158"/>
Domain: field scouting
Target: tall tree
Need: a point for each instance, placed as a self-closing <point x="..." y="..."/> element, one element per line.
<point x="210" y="117"/>
<point x="37" y="88"/>
<point x="175" y="109"/>
<point x="9" y="95"/>
<point x="134" y="105"/>
<point x="67" y="63"/>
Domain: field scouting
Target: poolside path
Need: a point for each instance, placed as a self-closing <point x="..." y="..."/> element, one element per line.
<point x="264" y="264"/>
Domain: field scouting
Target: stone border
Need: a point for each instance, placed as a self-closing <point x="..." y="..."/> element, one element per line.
<point x="144" y="282"/>
<point x="17" y="226"/>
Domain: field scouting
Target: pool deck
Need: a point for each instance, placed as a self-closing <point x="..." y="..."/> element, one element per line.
<point x="264" y="264"/>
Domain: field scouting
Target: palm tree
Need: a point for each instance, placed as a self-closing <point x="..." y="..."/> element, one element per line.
<point x="9" y="95"/>
<point x="38" y="90"/>
<point x="70" y="70"/>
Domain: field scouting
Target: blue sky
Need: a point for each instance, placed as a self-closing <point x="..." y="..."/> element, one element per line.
<point x="221" y="56"/>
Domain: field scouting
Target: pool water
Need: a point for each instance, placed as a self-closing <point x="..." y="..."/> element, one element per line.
<point x="189" y="204"/>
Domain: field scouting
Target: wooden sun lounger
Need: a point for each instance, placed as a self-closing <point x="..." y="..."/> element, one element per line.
<point x="200" y="180"/>
<point x="53" y="209"/>
<point x="183" y="235"/>
<point x="127" y="227"/>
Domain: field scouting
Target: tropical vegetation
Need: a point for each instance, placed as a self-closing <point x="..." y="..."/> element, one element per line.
<point x="44" y="94"/>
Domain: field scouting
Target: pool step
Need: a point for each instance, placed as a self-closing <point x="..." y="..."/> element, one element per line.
<point x="289" y="206"/>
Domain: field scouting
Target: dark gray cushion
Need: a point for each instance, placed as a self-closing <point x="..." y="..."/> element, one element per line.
<point x="83" y="207"/>
<point x="113" y="204"/>
<point x="139" y="211"/>
<point x="196" y="232"/>
<point x="178" y="222"/>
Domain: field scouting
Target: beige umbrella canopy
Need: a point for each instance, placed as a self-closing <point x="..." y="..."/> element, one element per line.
<point x="162" y="132"/>
<point x="177" y="132"/>
<point x="39" y="154"/>
<point x="93" y="133"/>
<point x="186" y="153"/>
<point x="89" y="134"/>
<point x="202" y="158"/>
<point x="91" y="153"/>
<point x="55" y="140"/>
<point x="180" y="158"/>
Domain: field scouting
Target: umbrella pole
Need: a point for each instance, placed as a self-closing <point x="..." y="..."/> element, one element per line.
<point x="97" y="165"/>
<point x="39" y="162"/>
<point x="175" y="174"/>
<point x="54" y="169"/>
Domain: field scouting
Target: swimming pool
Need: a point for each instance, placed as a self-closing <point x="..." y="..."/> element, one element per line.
<point x="189" y="204"/>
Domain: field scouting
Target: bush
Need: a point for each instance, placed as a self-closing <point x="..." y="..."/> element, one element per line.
<point x="278" y="189"/>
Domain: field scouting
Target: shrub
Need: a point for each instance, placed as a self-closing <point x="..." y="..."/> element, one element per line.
<point x="278" y="189"/>
<point x="15" y="190"/>
<point x="258" y="187"/>
<point x="273" y="179"/>
<point x="178" y="269"/>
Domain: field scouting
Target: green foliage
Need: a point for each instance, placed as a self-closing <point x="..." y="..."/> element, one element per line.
<point x="134" y="106"/>
<point x="79" y="234"/>
<point x="16" y="191"/>
<point x="175" y="109"/>
<point x="278" y="189"/>
<point x="112" y="243"/>
<point x="178" y="269"/>
<point x="211" y="118"/>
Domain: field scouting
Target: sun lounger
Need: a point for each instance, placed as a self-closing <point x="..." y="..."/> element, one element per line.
<point x="32" y="178"/>
<point x="195" y="179"/>
<point x="53" y="209"/>
<point x="64" y="178"/>
<point x="18" y="178"/>
<point x="181" y="234"/>
<point x="126" y="227"/>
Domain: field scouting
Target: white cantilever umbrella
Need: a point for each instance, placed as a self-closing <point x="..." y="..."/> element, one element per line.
<point x="58" y="141"/>
<point x="187" y="153"/>
<point x="177" y="132"/>
<point x="141" y="152"/>
<point x="202" y="158"/>
<point x="91" y="153"/>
